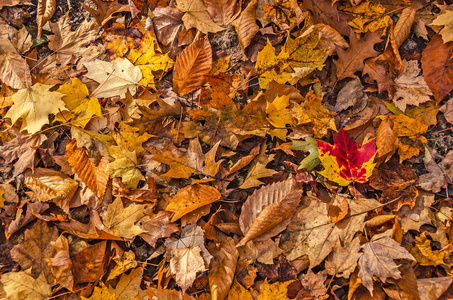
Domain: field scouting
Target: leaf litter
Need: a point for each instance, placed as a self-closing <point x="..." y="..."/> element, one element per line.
<point x="226" y="150"/>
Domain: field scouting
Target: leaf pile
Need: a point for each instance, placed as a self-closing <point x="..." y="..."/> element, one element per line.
<point x="223" y="149"/>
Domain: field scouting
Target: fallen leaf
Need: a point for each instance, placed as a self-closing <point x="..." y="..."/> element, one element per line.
<point x="191" y="65"/>
<point x="313" y="115"/>
<point x="351" y="95"/>
<point x="23" y="148"/>
<point x="120" y="221"/>
<point x="411" y="88"/>
<point x="404" y="25"/>
<point x="191" y="198"/>
<point x="378" y="260"/>
<point x="313" y="286"/>
<point x="115" y="78"/>
<point x="222" y="11"/>
<point x="14" y="70"/>
<point x="105" y="10"/>
<point x="157" y="226"/>
<point x="154" y="293"/>
<point x="245" y="24"/>
<point x="222" y="266"/>
<point x="351" y="60"/>
<point x="88" y="264"/>
<point x="425" y="255"/>
<point x="344" y="162"/>
<point x="267" y="207"/>
<point x="129" y="285"/>
<point x="377" y="72"/>
<point x="296" y="54"/>
<point x="61" y="264"/>
<point x="237" y="291"/>
<point x="34" y="105"/>
<point x="436" y="56"/>
<point x="95" y="177"/>
<point x="368" y="16"/>
<point x="279" y="116"/>
<point x="311" y="224"/>
<point x="386" y="140"/>
<point x="343" y="261"/>
<point x="276" y="290"/>
<point x="36" y="249"/>
<point x="125" y="166"/>
<point x="50" y="185"/>
<point x="445" y="20"/>
<point x="20" y="285"/>
<point x="196" y="15"/>
<point x="45" y="11"/>
<point x="326" y="12"/>
<point x="433" y="288"/>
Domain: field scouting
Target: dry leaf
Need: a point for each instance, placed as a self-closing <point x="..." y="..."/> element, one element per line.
<point x="245" y="24"/>
<point x="14" y="70"/>
<point x="196" y="15"/>
<point x="95" y="177"/>
<point x="190" y="198"/>
<point x="351" y="60"/>
<point x="34" y="105"/>
<point x="20" y="285"/>
<point x="222" y="266"/>
<point x="191" y="65"/>
<point x="157" y="226"/>
<point x="378" y="260"/>
<point x="267" y="207"/>
<point x="45" y="11"/>
<point x="120" y="221"/>
<point x="115" y="78"/>
<point x="411" y="88"/>
<point x="343" y="261"/>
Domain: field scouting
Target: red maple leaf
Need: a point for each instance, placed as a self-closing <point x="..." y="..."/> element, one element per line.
<point x="344" y="162"/>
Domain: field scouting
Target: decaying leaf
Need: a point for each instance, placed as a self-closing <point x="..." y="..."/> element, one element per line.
<point x="378" y="260"/>
<point x="196" y="15"/>
<point x="20" y="285"/>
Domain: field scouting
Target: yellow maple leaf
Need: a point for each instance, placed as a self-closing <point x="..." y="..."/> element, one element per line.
<point x="296" y="55"/>
<point x="312" y="113"/>
<point x="410" y="133"/>
<point x="120" y="221"/>
<point x="445" y="20"/>
<point x="125" y="166"/>
<point x="130" y="138"/>
<point x="79" y="103"/>
<point x="279" y="116"/>
<point x="34" y="105"/>
<point x="369" y="16"/>
<point x="21" y="285"/>
<point x="147" y="58"/>
<point x="278" y="290"/>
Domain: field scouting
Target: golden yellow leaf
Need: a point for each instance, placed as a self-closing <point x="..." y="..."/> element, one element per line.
<point x="34" y="105"/>
<point x="314" y="116"/>
<point x="190" y="198"/>
<point x="125" y="166"/>
<point x="410" y="133"/>
<point x="95" y="177"/>
<point x="425" y="255"/>
<point x="125" y="262"/>
<point x="279" y="116"/>
<point x="237" y="291"/>
<point x="369" y="16"/>
<point x="120" y="221"/>
<point x="21" y="285"/>
<point x="78" y="101"/>
<point x="299" y="54"/>
<point x="129" y="137"/>
<point x="278" y="290"/>
<point x="101" y="292"/>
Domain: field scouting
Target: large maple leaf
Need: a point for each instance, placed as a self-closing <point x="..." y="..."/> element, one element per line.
<point x="344" y="162"/>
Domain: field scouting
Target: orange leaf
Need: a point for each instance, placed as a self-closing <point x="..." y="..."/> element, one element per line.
<point x="95" y="178"/>
<point x="190" y="198"/>
<point x="191" y="65"/>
